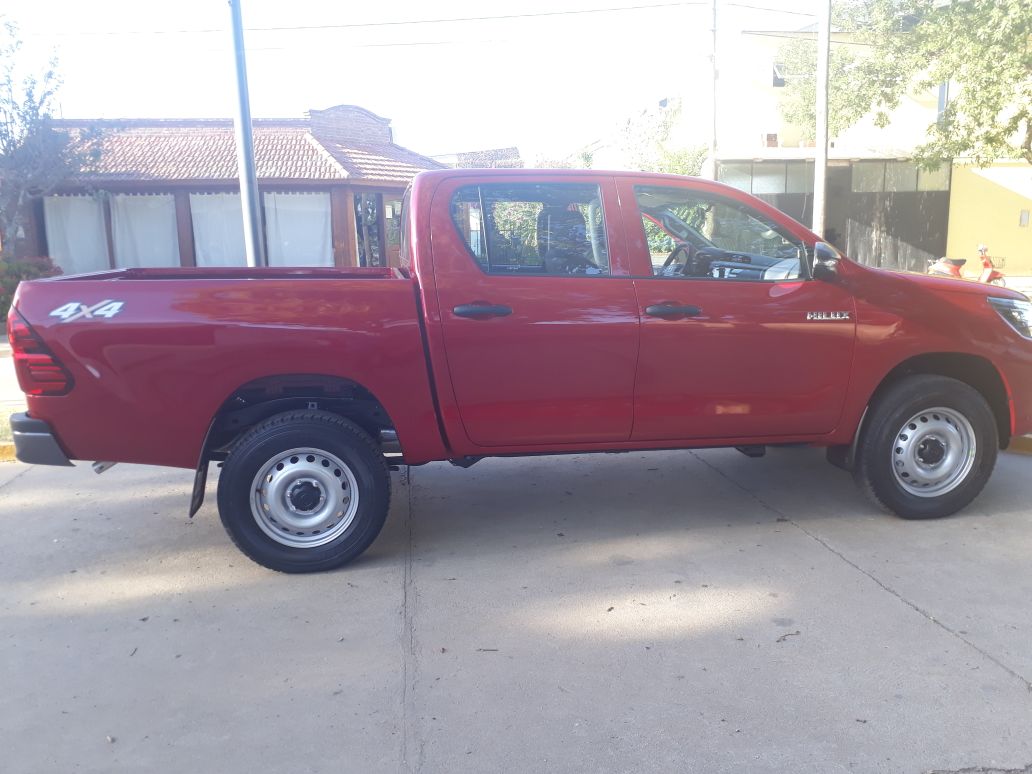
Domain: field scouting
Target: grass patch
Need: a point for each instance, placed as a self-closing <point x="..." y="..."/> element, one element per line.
<point x="5" y="426"/>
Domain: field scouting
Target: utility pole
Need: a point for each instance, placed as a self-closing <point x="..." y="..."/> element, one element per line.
<point x="713" y="68"/>
<point x="820" y="171"/>
<point x="254" y="239"/>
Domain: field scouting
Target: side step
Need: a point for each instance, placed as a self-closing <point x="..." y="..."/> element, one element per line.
<point x="752" y="451"/>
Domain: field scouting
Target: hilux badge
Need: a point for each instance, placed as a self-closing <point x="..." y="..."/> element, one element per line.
<point x="827" y="315"/>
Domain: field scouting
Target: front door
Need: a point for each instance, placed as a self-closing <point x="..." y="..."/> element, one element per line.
<point x="736" y="342"/>
<point x="539" y="317"/>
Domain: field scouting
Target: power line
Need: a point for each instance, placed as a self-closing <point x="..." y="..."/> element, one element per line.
<point x="772" y="10"/>
<point x="397" y="23"/>
<point x="803" y="36"/>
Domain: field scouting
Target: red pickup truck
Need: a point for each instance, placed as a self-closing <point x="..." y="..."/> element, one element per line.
<point x="534" y="312"/>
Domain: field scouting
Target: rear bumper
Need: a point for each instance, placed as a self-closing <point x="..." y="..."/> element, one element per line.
<point x="35" y="443"/>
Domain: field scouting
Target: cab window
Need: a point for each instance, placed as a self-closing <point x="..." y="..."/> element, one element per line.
<point x="695" y="235"/>
<point x="534" y="228"/>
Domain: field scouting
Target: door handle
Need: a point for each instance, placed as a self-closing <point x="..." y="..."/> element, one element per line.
<point x="482" y="310"/>
<point x="672" y="310"/>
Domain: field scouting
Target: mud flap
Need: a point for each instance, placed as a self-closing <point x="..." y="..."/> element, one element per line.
<point x="199" y="483"/>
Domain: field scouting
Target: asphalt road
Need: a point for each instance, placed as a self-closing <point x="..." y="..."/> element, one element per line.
<point x="666" y="612"/>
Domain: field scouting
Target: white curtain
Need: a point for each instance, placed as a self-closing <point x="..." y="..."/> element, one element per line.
<point x="298" y="229"/>
<point x="144" y="230"/>
<point x="76" y="238"/>
<point x="218" y="229"/>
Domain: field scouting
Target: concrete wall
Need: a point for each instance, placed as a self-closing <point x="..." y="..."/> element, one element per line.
<point x="986" y="207"/>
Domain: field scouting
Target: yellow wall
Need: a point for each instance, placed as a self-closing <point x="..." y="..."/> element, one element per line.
<point x="985" y="207"/>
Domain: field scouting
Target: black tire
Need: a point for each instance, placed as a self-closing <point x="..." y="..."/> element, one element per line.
<point x="329" y="435"/>
<point x="916" y="397"/>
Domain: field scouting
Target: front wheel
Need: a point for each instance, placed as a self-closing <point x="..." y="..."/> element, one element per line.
<point x="928" y="447"/>
<point x="304" y="491"/>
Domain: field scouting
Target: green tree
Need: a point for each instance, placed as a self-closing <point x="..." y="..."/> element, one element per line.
<point x="851" y="94"/>
<point x="984" y="47"/>
<point x="34" y="157"/>
<point x="650" y="142"/>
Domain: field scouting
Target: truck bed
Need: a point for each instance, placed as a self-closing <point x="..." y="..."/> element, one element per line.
<point x="149" y="379"/>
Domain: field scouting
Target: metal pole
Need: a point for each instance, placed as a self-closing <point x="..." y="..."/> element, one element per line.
<point x="713" y="68"/>
<point x="254" y="239"/>
<point x="820" y="172"/>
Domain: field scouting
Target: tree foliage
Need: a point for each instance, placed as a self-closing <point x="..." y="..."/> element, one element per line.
<point x="852" y="92"/>
<point x="14" y="271"/>
<point x="650" y="143"/>
<point x="34" y="157"/>
<point x="983" y="47"/>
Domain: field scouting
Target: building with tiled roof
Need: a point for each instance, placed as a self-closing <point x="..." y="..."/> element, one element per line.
<point x="165" y="192"/>
<point x="493" y="158"/>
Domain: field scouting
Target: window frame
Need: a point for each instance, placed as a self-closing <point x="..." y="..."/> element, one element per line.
<point x="805" y="268"/>
<point x="519" y="181"/>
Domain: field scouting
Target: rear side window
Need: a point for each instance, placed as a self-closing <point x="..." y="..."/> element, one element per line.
<point x="534" y="228"/>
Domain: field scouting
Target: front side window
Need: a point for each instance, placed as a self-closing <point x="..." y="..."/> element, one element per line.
<point x="695" y="235"/>
<point x="534" y="228"/>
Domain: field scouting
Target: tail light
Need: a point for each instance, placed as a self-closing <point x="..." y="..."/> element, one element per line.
<point x="39" y="372"/>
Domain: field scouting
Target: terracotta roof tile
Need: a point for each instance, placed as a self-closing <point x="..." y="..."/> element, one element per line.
<point x="182" y="150"/>
<point x="384" y="162"/>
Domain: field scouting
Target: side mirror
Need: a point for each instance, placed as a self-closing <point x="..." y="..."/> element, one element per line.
<point x="825" y="261"/>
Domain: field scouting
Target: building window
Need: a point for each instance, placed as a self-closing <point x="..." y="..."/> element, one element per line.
<point x="934" y="179"/>
<point x="736" y="175"/>
<point x="392" y="230"/>
<point x="768" y="177"/>
<point x="297" y="229"/>
<point x="900" y="176"/>
<point x="144" y="230"/>
<point x="868" y="176"/>
<point x="800" y="177"/>
<point x="367" y="224"/>
<point x="218" y="229"/>
<point x="76" y="237"/>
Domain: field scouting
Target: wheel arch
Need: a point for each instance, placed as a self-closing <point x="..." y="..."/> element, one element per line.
<point x="257" y="400"/>
<point x="974" y="370"/>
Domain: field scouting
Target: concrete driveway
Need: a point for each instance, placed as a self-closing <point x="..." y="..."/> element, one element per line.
<point x="665" y="612"/>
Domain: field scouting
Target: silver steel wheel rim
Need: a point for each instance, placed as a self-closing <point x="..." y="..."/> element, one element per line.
<point x="304" y="497"/>
<point x="933" y="452"/>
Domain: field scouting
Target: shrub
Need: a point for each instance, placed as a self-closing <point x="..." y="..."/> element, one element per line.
<point x="15" y="270"/>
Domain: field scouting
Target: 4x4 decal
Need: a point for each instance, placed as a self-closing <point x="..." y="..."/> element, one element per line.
<point x="75" y="310"/>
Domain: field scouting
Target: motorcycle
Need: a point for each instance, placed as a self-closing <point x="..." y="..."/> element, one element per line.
<point x="947" y="267"/>
<point x="990" y="274"/>
<point x="950" y="267"/>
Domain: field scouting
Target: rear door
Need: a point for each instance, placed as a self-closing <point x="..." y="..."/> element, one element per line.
<point x="539" y="315"/>
<point x="736" y="341"/>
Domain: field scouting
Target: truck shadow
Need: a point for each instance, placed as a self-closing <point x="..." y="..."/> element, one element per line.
<point x="642" y="499"/>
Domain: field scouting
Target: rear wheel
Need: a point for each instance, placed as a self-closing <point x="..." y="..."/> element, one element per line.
<point x="928" y="447"/>
<point x="304" y="491"/>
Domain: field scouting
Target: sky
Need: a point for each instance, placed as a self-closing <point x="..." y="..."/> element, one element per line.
<point x="550" y="77"/>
